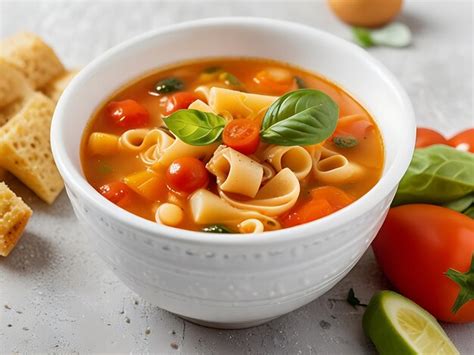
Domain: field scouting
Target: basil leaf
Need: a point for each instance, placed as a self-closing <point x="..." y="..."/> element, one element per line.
<point x="195" y="127"/>
<point x="395" y="34"/>
<point x="461" y="204"/>
<point x="437" y="174"/>
<point x="345" y="141"/>
<point x="168" y="85"/>
<point x="362" y="37"/>
<point x="301" y="117"/>
<point x="216" y="228"/>
<point x="469" y="212"/>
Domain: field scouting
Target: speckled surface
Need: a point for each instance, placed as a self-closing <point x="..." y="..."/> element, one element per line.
<point x="57" y="296"/>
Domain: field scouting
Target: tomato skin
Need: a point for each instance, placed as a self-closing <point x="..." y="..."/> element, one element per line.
<point x="187" y="175"/>
<point x="426" y="137"/>
<point x="466" y="138"/>
<point x="117" y="192"/>
<point x="242" y="135"/>
<point x="127" y="114"/>
<point x="179" y="101"/>
<point x="416" y="245"/>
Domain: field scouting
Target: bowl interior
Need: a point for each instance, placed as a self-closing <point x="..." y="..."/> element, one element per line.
<point x="340" y="61"/>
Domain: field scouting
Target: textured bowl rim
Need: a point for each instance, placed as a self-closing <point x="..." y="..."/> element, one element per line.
<point x="381" y="190"/>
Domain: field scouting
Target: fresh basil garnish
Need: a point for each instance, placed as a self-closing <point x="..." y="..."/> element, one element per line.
<point x="216" y="228"/>
<point x="461" y="204"/>
<point x="345" y="141"/>
<point x="437" y="174"/>
<point x="195" y="127"/>
<point x="167" y="85"/>
<point x="301" y="117"/>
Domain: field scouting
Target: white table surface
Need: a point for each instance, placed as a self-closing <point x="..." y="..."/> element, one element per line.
<point x="57" y="296"/>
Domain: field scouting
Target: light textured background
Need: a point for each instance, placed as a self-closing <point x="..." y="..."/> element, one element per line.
<point x="56" y="295"/>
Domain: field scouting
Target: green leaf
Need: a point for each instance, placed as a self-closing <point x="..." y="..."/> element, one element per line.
<point x="437" y="174"/>
<point x="465" y="282"/>
<point x="301" y="117"/>
<point x="362" y="36"/>
<point x="353" y="300"/>
<point x="469" y="212"/>
<point x="231" y="79"/>
<point x="168" y="85"/>
<point x="195" y="127"/>
<point x="345" y="141"/>
<point x="461" y="204"/>
<point x="216" y="228"/>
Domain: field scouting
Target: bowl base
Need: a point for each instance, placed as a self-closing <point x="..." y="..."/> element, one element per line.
<point x="217" y="325"/>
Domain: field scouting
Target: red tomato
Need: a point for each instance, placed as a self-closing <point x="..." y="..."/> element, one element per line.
<point x="426" y="137"/>
<point x="187" y="175"/>
<point x="116" y="192"/>
<point x="242" y="135"/>
<point x="127" y="114"/>
<point x="417" y="245"/>
<point x="179" y="101"/>
<point x="463" y="140"/>
<point x="324" y="201"/>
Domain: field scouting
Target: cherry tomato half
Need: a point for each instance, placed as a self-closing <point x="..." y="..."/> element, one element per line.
<point x="463" y="140"/>
<point x="187" y="175"/>
<point x="416" y="246"/>
<point x="179" y="101"/>
<point x="242" y="135"/>
<point x="426" y="137"/>
<point x="127" y="114"/>
<point x="116" y="192"/>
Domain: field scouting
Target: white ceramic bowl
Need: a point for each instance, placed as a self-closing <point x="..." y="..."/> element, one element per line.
<point x="233" y="281"/>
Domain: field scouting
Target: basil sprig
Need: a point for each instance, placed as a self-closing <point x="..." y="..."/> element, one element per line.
<point x="301" y="117"/>
<point x="195" y="127"/>
<point x="438" y="174"/>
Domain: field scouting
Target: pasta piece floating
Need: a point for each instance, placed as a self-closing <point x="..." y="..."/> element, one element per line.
<point x="179" y="149"/>
<point x="251" y="225"/>
<point x="208" y="208"/>
<point x="169" y="214"/>
<point x="151" y="144"/>
<point x="236" y="172"/>
<point x="330" y="167"/>
<point x="238" y="104"/>
<point x="103" y="144"/>
<point x="200" y="106"/>
<point x="14" y="215"/>
<point x="277" y="196"/>
<point x="296" y="158"/>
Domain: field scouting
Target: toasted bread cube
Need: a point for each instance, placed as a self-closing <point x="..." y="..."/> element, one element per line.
<point x="25" y="149"/>
<point x="30" y="55"/>
<point x="55" y="88"/>
<point x="14" y="215"/>
<point x="13" y="84"/>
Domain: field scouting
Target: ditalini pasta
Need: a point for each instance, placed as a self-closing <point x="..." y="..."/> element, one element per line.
<point x="232" y="146"/>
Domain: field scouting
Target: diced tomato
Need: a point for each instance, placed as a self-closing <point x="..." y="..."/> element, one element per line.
<point x="463" y="140"/>
<point x="116" y="192"/>
<point x="324" y="201"/>
<point x="426" y="137"/>
<point x="180" y="100"/>
<point x="187" y="175"/>
<point x="242" y="135"/>
<point x="127" y="114"/>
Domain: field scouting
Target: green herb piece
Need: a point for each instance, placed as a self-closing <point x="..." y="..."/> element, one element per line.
<point x="469" y="212"/>
<point x="168" y="85"/>
<point x="345" y="141"/>
<point x="301" y="117"/>
<point x="195" y="127"/>
<point x="466" y="282"/>
<point x="353" y="300"/>
<point x="362" y="37"/>
<point x="216" y="228"/>
<point x="231" y="79"/>
<point x="213" y="69"/>
<point x="105" y="169"/>
<point x="300" y="82"/>
<point x="395" y="34"/>
<point x="461" y="204"/>
<point x="437" y="174"/>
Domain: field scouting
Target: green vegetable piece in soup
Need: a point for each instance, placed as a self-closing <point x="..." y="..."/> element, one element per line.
<point x="301" y="117"/>
<point x="168" y="85"/>
<point x="216" y="228"/>
<point x="345" y="141"/>
<point x="437" y="174"/>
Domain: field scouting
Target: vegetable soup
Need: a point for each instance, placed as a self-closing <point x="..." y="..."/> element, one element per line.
<point x="232" y="146"/>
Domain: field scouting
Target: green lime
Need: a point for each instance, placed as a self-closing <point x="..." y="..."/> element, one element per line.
<point x="397" y="325"/>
